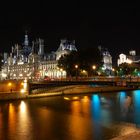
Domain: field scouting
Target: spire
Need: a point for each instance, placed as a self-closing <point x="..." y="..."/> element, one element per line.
<point x="26" y="41"/>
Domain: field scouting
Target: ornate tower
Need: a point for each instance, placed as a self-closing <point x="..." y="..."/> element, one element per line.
<point x="26" y="47"/>
<point x="26" y="41"/>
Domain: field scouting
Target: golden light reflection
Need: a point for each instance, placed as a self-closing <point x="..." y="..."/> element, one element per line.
<point x="77" y="121"/>
<point x="66" y="98"/>
<point x="76" y="107"/>
<point x="46" y="120"/>
<point x="80" y="105"/>
<point x="12" y="118"/>
<point x="85" y="99"/>
<point x="86" y="106"/>
<point x="11" y="109"/>
<point x="75" y="98"/>
<point x="1" y="121"/>
<point x="24" y="121"/>
<point x="22" y="107"/>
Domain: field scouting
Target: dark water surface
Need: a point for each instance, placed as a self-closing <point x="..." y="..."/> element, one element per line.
<point x="85" y="117"/>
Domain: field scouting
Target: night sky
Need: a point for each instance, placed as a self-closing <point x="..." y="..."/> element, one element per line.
<point x="115" y="26"/>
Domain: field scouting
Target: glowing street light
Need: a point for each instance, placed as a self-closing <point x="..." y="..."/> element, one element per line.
<point x="113" y="69"/>
<point x="76" y="66"/>
<point x="10" y="86"/>
<point x="94" y="68"/>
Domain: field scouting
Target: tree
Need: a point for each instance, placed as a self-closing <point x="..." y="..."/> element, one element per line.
<point x="127" y="69"/>
<point x="67" y="62"/>
<point x="88" y="57"/>
<point x="84" y="58"/>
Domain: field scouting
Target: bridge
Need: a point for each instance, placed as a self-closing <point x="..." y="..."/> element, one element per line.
<point x="18" y="85"/>
<point x="59" y="83"/>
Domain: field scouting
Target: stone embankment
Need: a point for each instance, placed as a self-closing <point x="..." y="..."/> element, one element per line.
<point x="18" y="95"/>
<point x="12" y="96"/>
<point x="73" y="89"/>
<point x="79" y="89"/>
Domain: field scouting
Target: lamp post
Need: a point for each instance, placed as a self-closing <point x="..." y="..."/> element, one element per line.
<point x="10" y="86"/>
<point x="94" y="68"/>
<point x="113" y="71"/>
<point x="76" y="67"/>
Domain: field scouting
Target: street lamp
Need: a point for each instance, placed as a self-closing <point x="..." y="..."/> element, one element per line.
<point x="94" y="68"/>
<point x="113" y="71"/>
<point x="76" y="66"/>
<point x="10" y="86"/>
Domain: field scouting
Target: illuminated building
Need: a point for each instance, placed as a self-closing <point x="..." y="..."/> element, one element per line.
<point x="131" y="58"/>
<point x="106" y="59"/>
<point x="65" y="47"/>
<point x="31" y="62"/>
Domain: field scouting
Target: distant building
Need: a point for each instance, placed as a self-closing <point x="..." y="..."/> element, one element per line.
<point x="131" y="58"/>
<point x="65" y="47"/>
<point x="106" y="59"/>
<point x="31" y="62"/>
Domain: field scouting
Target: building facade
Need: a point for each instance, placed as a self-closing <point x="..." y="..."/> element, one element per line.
<point x="131" y="58"/>
<point x="106" y="59"/>
<point x="31" y="62"/>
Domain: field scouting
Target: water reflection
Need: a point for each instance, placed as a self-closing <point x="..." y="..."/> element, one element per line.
<point x="19" y="121"/>
<point x="93" y="116"/>
<point x="106" y="114"/>
<point x="1" y="122"/>
<point x="12" y="119"/>
<point x="23" y="108"/>
<point x="79" y="127"/>
<point x="136" y="100"/>
<point x="96" y="114"/>
<point x="23" y="121"/>
<point x="96" y="108"/>
<point x="45" y="123"/>
<point x="122" y="96"/>
<point x="125" y="104"/>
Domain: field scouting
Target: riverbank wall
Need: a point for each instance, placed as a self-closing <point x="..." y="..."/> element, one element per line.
<point x="88" y="89"/>
<point x="12" y="96"/>
<point x="19" y="96"/>
<point x="65" y="90"/>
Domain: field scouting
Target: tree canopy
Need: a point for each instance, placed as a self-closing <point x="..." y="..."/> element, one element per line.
<point x="85" y="58"/>
<point x="128" y="69"/>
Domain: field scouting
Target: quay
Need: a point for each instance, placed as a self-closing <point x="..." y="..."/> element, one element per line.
<point x="12" y="89"/>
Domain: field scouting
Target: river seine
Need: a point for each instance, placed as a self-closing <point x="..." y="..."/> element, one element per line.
<point x="97" y="116"/>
